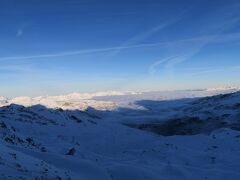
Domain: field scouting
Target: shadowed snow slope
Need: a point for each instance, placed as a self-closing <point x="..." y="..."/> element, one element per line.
<point x="191" y="138"/>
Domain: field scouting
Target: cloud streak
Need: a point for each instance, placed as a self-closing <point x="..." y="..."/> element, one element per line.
<point x="213" y="70"/>
<point x="19" y="32"/>
<point x="153" y="68"/>
<point x="131" y="43"/>
<point x="148" y="33"/>
<point x="201" y="40"/>
<point x="191" y="49"/>
<point x="193" y="46"/>
<point x="79" y="52"/>
<point x="16" y="69"/>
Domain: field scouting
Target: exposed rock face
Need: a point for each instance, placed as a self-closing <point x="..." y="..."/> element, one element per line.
<point x="71" y="152"/>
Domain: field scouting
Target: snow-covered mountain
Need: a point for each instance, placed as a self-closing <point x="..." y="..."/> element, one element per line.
<point x="70" y="101"/>
<point x="167" y="135"/>
<point x="109" y="99"/>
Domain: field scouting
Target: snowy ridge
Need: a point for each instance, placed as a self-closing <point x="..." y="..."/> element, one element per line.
<point x="109" y="99"/>
<point x="70" y="101"/>
<point x="225" y="88"/>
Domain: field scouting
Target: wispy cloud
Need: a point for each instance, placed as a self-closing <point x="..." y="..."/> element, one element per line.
<point x="79" y="52"/>
<point x="19" y="32"/>
<point x="140" y="37"/>
<point x="129" y="44"/>
<point x="213" y="70"/>
<point x="192" y="46"/>
<point x="153" y="68"/>
<point x="199" y="40"/>
<point x="189" y="48"/>
<point x="17" y="68"/>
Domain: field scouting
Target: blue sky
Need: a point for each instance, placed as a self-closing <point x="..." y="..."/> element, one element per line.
<point x="62" y="46"/>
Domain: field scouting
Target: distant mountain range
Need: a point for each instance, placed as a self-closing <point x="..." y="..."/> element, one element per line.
<point x="110" y="99"/>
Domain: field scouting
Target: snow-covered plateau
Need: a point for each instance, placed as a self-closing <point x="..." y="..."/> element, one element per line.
<point x="168" y="135"/>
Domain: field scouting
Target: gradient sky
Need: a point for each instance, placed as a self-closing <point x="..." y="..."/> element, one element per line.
<point x="50" y="47"/>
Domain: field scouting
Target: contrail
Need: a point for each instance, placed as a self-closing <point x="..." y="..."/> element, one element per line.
<point x="192" y="49"/>
<point x="87" y="51"/>
<point x="222" y="38"/>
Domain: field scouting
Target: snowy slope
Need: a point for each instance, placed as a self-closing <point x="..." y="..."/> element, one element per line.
<point x="193" y="138"/>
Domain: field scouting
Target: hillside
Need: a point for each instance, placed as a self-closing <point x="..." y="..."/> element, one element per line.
<point x="184" y="138"/>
